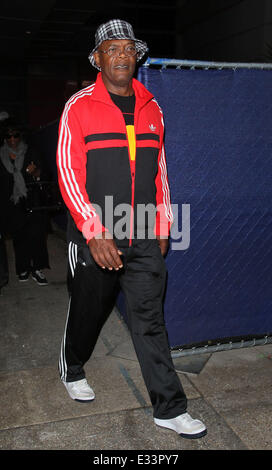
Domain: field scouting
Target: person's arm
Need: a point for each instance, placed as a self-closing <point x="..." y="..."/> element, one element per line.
<point x="164" y="216"/>
<point x="71" y="164"/>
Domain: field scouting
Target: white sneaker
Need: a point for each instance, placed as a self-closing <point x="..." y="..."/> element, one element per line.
<point x="184" y="425"/>
<point x="80" y="390"/>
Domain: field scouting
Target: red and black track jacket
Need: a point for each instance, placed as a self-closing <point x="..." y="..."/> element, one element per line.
<point x="94" y="163"/>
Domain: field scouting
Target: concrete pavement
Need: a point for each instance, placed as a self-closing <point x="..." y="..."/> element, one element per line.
<point x="231" y="391"/>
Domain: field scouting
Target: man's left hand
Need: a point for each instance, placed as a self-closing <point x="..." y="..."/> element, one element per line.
<point x="164" y="244"/>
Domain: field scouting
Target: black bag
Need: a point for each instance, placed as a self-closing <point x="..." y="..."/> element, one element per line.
<point x="43" y="195"/>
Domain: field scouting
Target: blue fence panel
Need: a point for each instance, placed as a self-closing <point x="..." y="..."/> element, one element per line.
<point x="219" y="148"/>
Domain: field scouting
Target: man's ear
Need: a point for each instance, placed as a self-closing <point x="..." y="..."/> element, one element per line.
<point x="97" y="58"/>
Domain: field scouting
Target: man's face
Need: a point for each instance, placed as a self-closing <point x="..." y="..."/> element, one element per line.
<point x="117" y="72"/>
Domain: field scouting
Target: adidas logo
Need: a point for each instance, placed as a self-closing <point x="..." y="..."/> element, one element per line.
<point x="152" y="127"/>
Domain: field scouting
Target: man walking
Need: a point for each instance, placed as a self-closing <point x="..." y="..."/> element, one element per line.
<point x="111" y="154"/>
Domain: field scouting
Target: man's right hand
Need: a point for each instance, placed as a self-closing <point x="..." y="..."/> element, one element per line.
<point x="105" y="252"/>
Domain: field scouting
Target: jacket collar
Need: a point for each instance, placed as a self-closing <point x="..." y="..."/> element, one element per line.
<point x="100" y="92"/>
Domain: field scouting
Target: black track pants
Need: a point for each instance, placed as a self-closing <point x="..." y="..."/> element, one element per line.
<point x="93" y="293"/>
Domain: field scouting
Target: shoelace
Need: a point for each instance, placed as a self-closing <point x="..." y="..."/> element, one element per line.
<point x="189" y="420"/>
<point x="187" y="417"/>
<point x="85" y="385"/>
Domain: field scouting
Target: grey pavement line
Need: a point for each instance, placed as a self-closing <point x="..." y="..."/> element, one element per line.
<point x="109" y="347"/>
<point x="124" y="357"/>
<point x="217" y="413"/>
<point x="210" y="405"/>
<point x="9" y="289"/>
<point x="195" y="387"/>
<point x="136" y="392"/>
<point x="227" y="424"/>
<point x="72" y="418"/>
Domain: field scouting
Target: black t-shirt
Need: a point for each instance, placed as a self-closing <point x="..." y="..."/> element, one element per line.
<point x="127" y="104"/>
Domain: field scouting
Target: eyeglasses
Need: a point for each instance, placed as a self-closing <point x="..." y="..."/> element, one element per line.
<point x="115" y="51"/>
<point x="16" y="136"/>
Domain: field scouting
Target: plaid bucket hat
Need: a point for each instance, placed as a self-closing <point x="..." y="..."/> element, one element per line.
<point x="116" y="29"/>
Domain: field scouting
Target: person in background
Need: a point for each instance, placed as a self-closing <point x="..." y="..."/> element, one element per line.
<point x="111" y="145"/>
<point x="4" y="273"/>
<point x="19" y="166"/>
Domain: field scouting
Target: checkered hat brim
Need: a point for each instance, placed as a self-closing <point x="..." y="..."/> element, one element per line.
<point x="116" y="29"/>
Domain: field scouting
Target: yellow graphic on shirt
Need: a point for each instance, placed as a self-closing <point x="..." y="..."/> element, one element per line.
<point x="131" y="141"/>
